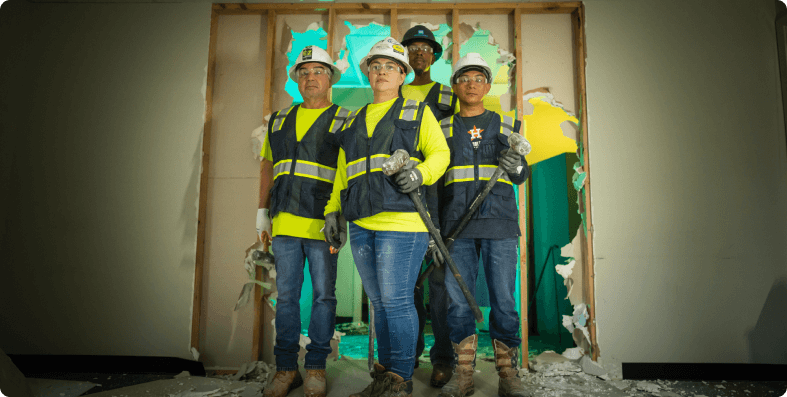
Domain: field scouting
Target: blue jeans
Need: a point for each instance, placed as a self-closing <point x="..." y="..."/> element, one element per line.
<point x="290" y="253"/>
<point x="499" y="257"/>
<point x="442" y="352"/>
<point x="389" y="263"/>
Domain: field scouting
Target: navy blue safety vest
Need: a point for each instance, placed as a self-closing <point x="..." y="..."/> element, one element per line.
<point x="369" y="191"/>
<point x="470" y="168"/>
<point x="441" y="100"/>
<point x="303" y="172"/>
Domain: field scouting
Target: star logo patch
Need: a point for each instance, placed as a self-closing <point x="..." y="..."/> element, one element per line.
<point x="475" y="133"/>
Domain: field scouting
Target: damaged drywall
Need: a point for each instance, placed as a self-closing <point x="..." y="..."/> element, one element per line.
<point x="500" y="61"/>
<point x="544" y="129"/>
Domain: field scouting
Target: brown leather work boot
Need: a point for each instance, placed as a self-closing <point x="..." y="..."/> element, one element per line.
<point x="379" y="384"/>
<point x="314" y="385"/>
<point x="398" y="386"/>
<point x="510" y="384"/>
<point x="282" y="383"/>
<point x="441" y="374"/>
<point x="461" y="383"/>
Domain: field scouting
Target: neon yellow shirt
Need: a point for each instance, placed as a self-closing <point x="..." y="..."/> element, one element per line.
<point x="436" y="154"/>
<point x="419" y="92"/>
<point x="284" y="223"/>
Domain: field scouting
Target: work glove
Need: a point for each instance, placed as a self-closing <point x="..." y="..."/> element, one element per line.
<point x="409" y="180"/>
<point x="263" y="225"/>
<point x="434" y="252"/>
<point x="331" y="230"/>
<point x="342" y="232"/>
<point x="510" y="161"/>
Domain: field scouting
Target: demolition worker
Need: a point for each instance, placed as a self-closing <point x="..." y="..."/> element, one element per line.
<point x="424" y="50"/>
<point x="300" y="155"/>
<point x="478" y="139"/>
<point x="387" y="235"/>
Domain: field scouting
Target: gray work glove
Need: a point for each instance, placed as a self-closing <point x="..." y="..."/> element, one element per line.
<point x="510" y="161"/>
<point x="434" y="252"/>
<point x="331" y="230"/>
<point x="409" y="180"/>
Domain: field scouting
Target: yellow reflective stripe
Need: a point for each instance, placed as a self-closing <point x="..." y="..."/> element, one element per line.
<point x="306" y="169"/>
<point x="350" y="119"/>
<point x="282" y="167"/>
<point x="408" y="110"/>
<point x="358" y="166"/>
<point x="466" y="173"/>
<point x="445" y="95"/>
<point x="506" y="125"/>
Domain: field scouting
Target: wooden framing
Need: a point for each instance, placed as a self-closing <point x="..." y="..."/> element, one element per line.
<point x="394" y="10"/>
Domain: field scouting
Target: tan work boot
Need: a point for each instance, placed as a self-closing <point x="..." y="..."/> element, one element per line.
<point x="461" y="383"/>
<point x="398" y="386"/>
<point x="282" y="383"/>
<point x="314" y="384"/>
<point x="441" y="374"/>
<point x="379" y="384"/>
<point x="510" y="384"/>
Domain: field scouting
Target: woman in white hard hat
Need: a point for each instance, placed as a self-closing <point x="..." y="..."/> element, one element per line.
<point x="387" y="235"/>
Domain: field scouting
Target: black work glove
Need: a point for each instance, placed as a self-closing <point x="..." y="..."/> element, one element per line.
<point x="342" y="231"/>
<point x="510" y="161"/>
<point x="409" y="180"/>
<point x="331" y="230"/>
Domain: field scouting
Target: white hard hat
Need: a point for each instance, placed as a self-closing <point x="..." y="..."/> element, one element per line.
<point x="312" y="53"/>
<point x="471" y="61"/>
<point x="386" y="48"/>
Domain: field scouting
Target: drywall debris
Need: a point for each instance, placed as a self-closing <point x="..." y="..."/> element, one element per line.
<point x="548" y="357"/>
<point x="572" y="272"/>
<point x="184" y="374"/>
<point x="591" y="367"/>
<point x="255" y="371"/>
<point x="620" y="384"/>
<point x="648" y="387"/>
<point x="670" y="394"/>
<point x="574" y="353"/>
<point x="194" y="354"/>
<point x="577" y="326"/>
<point x="258" y="136"/>
<point x="566" y="368"/>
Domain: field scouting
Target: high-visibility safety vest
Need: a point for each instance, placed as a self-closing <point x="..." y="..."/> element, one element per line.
<point x="471" y="167"/>
<point x="441" y="100"/>
<point x="369" y="191"/>
<point x="303" y="172"/>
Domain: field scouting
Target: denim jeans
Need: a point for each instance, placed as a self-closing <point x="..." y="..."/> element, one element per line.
<point x="442" y="352"/>
<point x="290" y="253"/>
<point x="499" y="257"/>
<point x="389" y="263"/>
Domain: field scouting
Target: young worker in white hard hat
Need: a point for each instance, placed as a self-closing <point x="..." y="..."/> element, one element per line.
<point x="387" y="236"/>
<point x="423" y="51"/>
<point x="478" y="139"/>
<point x="300" y="154"/>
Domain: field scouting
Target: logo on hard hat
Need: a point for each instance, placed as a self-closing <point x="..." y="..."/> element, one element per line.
<point x="307" y="53"/>
<point x="398" y="49"/>
<point x="421" y="32"/>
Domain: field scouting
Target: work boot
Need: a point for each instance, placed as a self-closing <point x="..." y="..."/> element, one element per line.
<point x="398" y="386"/>
<point x="380" y="382"/>
<point x="314" y="384"/>
<point x="441" y="374"/>
<point x="510" y="384"/>
<point x="282" y="383"/>
<point x="461" y="383"/>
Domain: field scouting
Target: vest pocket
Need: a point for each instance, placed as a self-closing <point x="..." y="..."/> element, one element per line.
<point x="500" y="203"/>
<point x="453" y="206"/>
<point x="351" y="195"/>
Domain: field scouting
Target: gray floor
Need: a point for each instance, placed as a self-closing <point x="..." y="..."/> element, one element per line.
<point x="349" y="376"/>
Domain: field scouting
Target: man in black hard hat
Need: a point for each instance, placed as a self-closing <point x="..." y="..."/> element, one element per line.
<point x="424" y="50"/>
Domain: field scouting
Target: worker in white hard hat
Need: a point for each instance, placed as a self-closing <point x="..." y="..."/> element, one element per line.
<point x="423" y="51"/>
<point x="478" y="139"/>
<point x="387" y="235"/>
<point x="296" y="179"/>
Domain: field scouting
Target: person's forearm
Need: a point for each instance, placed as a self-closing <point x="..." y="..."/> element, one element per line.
<point x="266" y="183"/>
<point x="339" y="184"/>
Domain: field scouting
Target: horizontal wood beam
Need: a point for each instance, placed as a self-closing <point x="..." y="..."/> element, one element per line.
<point x="402" y="9"/>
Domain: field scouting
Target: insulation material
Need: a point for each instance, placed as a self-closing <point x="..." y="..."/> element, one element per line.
<point x="544" y="127"/>
<point x="258" y="136"/>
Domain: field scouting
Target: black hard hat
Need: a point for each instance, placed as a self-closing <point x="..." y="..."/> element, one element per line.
<point x="422" y="33"/>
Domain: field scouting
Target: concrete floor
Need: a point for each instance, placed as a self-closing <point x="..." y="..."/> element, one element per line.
<point x="349" y="376"/>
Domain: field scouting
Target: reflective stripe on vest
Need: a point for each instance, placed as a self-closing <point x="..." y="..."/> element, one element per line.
<point x="447" y="125"/>
<point x="350" y="118"/>
<point x="358" y="167"/>
<point x="444" y="97"/>
<point x="306" y="169"/>
<point x="506" y="125"/>
<point x="338" y="119"/>
<point x="465" y="173"/>
<point x="409" y="108"/>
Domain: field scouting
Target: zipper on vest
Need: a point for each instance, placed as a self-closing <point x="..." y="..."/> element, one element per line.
<point x="369" y="169"/>
<point x="475" y="166"/>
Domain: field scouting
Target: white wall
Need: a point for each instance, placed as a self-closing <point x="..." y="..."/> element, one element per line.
<point x="100" y="224"/>
<point x="689" y="180"/>
<point x="102" y="115"/>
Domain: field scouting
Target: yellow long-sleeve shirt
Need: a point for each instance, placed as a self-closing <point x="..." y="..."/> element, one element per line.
<point x="284" y="223"/>
<point x="436" y="158"/>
